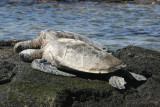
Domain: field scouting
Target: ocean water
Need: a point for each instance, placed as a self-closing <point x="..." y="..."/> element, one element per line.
<point x="112" y="24"/>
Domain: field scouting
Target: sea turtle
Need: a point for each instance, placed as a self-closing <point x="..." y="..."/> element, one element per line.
<point x="55" y="50"/>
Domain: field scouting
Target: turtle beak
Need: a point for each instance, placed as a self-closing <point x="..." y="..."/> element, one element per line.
<point x="15" y="48"/>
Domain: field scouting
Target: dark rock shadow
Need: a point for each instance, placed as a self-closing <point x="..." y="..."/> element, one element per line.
<point x="6" y="72"/>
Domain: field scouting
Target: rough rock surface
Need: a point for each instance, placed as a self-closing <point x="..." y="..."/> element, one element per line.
<point x="20" y="85"/>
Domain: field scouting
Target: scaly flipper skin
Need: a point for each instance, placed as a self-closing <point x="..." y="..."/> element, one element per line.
<point x="43" y="65"/>
<point x="134" y="76"/>
<point x="138" y="77"/>
<point x="117" y="82"/>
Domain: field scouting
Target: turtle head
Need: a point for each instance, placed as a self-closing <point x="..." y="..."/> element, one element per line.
<point x="20" y="46"/>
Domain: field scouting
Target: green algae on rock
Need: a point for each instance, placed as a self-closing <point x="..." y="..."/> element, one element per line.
<point x="28" y="87"/>
<point x="31" y="87"/>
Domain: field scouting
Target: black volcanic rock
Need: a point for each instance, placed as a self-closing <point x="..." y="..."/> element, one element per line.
<point x="20" y="85"/>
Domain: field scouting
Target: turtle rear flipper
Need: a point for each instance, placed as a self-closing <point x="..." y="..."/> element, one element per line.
<point x="134" y="76"/>
<point x="117" y="82"/>
<point x="43" y="65"/>
<point x="138" y="77"/>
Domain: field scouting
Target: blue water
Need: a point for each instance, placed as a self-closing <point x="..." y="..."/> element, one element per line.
<point x="112" y="24"/>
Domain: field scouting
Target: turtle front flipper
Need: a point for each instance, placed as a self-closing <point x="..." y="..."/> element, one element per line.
<point x="43" y="65"/>
<point x="117" y="82"/>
